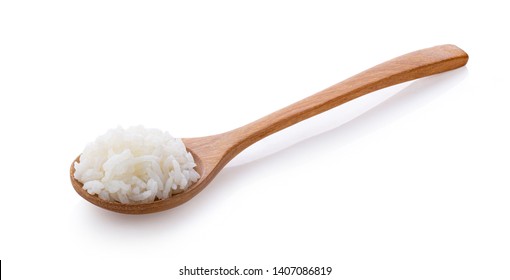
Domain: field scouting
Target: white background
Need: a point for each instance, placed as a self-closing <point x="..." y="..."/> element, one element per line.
<point x="410" y="182"/>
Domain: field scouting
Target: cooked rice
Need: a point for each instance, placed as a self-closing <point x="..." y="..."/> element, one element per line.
<point x="135" y="165"/>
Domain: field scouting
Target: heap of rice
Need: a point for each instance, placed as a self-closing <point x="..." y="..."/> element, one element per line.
<point x="135" y="165"/>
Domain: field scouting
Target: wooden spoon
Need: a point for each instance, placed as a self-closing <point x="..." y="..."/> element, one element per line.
<point x="212" y="153"/>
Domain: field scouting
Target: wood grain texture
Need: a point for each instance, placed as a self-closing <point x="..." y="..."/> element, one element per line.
<point x="212" y="153"/>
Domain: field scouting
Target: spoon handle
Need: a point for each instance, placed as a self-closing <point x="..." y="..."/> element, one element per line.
<point x="404" y="68"/>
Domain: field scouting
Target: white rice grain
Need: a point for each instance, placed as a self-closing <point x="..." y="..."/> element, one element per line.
<point x="135" y="165"/>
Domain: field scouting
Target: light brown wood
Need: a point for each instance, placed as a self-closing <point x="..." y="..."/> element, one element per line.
<point x="212" y="153"/>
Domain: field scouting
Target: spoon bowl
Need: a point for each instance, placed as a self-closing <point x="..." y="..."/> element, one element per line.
<point x="207" y="159"/>
<point x="212" y="153"/>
